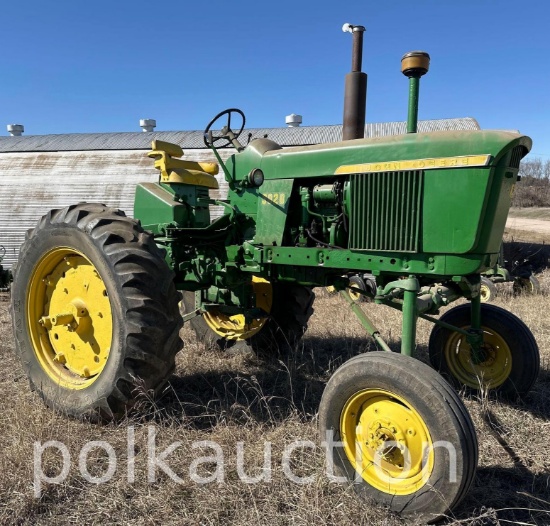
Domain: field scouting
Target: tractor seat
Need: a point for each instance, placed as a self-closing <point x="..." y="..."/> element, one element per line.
<point x="174" y="170"/>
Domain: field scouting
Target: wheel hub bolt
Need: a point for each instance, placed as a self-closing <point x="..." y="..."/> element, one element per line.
<point x="70" y="261"/>
<point x="46" y="322"/>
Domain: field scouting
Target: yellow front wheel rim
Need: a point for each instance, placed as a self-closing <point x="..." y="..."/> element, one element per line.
<point x="386" y="441"/>
<point x="235" y="327"/>
<point x="484" y="293"/>
<point x="492" y="372"/>
<point x="69" y="318"/>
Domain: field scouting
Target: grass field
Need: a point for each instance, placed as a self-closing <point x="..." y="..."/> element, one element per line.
<point x="241" y="398"/>
<point x="535" y="212"/>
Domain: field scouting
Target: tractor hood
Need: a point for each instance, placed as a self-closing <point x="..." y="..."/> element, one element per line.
<point x="447" y="149"/>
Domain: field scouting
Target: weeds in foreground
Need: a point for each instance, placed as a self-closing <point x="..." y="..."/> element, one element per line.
<point x="241" y="398"/>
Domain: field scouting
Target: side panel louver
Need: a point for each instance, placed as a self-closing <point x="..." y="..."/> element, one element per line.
<point x="386" y="211"/>
<point x="517" y="154"/>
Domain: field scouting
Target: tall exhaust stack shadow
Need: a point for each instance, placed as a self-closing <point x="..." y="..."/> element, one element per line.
<point x="355" y="92"/>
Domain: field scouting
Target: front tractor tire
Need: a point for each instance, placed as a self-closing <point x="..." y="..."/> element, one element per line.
<point x="95" y="311"/>
<point x="399" y="434"/>
<point x="510" y="359"/>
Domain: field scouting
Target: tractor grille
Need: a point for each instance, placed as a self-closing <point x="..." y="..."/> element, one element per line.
<point x="386" y="211"/>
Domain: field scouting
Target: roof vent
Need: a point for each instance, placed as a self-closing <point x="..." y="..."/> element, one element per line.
<point x="15" y="130"/>
<point x="293" y="120"/>
<point x="147" y="125"/>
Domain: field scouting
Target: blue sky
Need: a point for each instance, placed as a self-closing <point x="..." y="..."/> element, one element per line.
<point x="98" y="66"/>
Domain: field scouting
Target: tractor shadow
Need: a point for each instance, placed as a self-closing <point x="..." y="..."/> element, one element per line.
<point x="269" y="390"/>
<point x="512" y="495"/>
<point x="265" y="390"/>
<point x="272" y="388"/>
<point x="537" y="401"/>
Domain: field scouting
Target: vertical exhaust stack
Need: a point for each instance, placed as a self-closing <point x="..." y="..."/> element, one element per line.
<point x="355" y="93"/>
<point x="414" y="65"/>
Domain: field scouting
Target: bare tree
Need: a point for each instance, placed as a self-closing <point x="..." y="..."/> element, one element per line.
<point x="534" y="188"/>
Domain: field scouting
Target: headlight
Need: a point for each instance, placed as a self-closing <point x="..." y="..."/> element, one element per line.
<point x="256" y="178"/>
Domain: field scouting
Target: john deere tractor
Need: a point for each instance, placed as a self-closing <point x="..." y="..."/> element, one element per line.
<point x="95" y="294"/>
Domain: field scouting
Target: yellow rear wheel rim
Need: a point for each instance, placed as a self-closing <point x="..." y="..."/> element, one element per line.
<point x="387" y="442"/>
<point x="492" y="372"/>
<point x="235" y="327"/>
<point x="69" y="318"/>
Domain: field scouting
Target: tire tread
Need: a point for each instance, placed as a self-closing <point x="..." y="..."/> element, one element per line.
<point x="151" y="322"/>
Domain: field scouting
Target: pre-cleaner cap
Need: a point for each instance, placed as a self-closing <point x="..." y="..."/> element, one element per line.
<point x="415" y="63"/>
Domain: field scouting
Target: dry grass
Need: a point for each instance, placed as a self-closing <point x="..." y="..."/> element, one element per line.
<point x="215" y="396"/>
<point x="525" y="236"/>
<point x="531" y="212"/>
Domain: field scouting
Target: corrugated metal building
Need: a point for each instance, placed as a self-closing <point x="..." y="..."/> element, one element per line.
<point x="41" y="172"/>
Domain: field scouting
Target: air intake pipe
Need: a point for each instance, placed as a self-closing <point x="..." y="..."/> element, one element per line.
<point x="414" y="65"/>
<point x="355" y="92"/>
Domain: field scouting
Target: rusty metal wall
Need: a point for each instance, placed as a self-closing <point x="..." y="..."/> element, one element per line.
<point x="31" y="183"/>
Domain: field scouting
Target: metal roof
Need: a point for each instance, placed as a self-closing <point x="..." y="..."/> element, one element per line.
<point x="301" y="135"/>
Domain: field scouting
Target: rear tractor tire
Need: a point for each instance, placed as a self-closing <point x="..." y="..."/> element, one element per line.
<point x="511" y="359"/>
<point x="95" y="311"/>
<point x="289" y="307"/>
<point x="367" y="284"/>
<point x="359" y="283"/>
<point x="399" y="434"/>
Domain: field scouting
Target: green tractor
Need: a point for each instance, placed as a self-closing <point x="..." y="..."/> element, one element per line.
<point x="96" y="294"/>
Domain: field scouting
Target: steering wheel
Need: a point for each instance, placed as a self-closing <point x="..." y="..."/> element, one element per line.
<point x="226" y="132"/>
